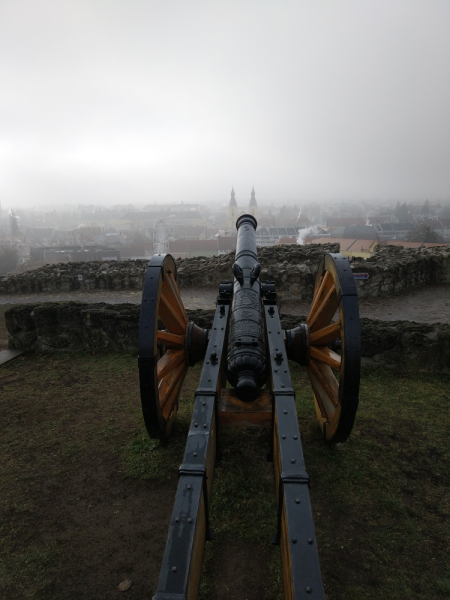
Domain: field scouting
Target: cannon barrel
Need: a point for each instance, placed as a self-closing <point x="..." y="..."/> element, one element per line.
<point x="247" y="364"/>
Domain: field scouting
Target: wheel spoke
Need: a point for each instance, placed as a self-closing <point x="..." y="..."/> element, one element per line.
<point x="171" y="340"/>
<point x="169" y="389"/>
<point x="171" y="290"/>
<point x="325" y="387"/>
<point x="319" y="294"/>
<point x="172" y="319"/>
<point x="324" y="312"/>
<point x="324" y="355"/>
<point x="169" y="361"/>
<point x="326" y="335"/>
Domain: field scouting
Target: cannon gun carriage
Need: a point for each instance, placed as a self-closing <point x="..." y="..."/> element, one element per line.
<point x="247" y="347"/>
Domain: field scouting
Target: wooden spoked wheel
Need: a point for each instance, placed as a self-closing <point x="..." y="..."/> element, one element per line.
<point x="163" y="354"/>
<point x="334" y="347"/>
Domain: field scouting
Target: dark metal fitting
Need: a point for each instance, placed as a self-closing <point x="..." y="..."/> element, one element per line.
<point x="238" y="273"/>
<point x="174" y="569"/>
<point x="310" y="541"/>
<point x="308" y="589"/>
<point x="222" y="310"/>
<point x="254" y="274"/>
<point x="283" y="392"/>
<point x="271" y="310"/>
<point x="225" y="293"/>
<point x="294" y="478"/>
<point x="195" y="470"/>
<point x="190" y="520"/>
<point x="297" y="501"/>
<point x="213" y="358"/>
<point x="205" y="392"/>
<point x="177" y="520"/>
<point x="293" y="461"/>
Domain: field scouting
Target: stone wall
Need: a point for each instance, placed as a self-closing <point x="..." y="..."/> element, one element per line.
<point x="71" y="327"/>
<point x="392" y="270"/>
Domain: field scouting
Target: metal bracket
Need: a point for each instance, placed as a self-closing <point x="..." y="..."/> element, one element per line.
<point x="199" y="471"/>
<point x="300" y="478"/>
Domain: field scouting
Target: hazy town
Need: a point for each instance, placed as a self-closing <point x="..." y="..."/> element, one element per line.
<point x="32" y="238"/>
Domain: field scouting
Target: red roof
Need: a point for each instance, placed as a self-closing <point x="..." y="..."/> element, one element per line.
<point x="287" y="240"/>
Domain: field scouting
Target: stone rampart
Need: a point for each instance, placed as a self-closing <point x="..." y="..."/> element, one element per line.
<point x="392" y="271"/>
<point x="402" y="345"/>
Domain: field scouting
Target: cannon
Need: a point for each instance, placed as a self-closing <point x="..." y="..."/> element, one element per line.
<point x="247" y="347"/>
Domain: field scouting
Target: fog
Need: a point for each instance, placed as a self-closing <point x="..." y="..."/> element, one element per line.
<point x="138" y="102"/>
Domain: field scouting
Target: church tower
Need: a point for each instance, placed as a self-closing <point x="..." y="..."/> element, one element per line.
<point x="253" y="207"/>
<point x="232" y="209"/>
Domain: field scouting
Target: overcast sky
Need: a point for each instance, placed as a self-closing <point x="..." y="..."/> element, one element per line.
<point x="129" y="101"/>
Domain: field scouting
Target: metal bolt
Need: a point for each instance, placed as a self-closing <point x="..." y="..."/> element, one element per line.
<point x="174" y="569"/>
<point x="293" y="461"/>
<point x="195" y="454"/>
<point x="295" y="437"/>
<point x="308" y="589"/>
<point x="195" y="424"/>
<point x="189" y="520"/>
<point x="189" y="487"/>
<point x="310" y="541"/>
<point x="294" y="540"/>
<point x="297" y="501"/>
<point x="205" y="426"/>
<point x="283" y="437"/>
<point x="177" y="520"/>
<point x="284" y="412"/>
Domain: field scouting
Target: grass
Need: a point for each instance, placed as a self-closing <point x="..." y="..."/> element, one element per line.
<point x="381" y="501"/>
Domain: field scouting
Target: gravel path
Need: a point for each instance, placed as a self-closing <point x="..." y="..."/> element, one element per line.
<point x="429" y="304"/>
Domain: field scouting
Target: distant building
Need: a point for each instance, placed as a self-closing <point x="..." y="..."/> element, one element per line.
<point x="190" y="248"/>
<point x="234" y="211"/>
<point x="269" y="236"/>
<point x="57" y="254"/>
<point x="398" y="231"/>
<point x="253" y="206"/>
<point x="351" y="247"/>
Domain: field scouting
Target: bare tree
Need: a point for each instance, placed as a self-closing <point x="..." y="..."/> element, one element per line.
<point x="424" y="233"/>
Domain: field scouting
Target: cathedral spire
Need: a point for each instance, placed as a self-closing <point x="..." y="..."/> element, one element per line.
<point x="233" y="198"/>
<point x="252" y="198"/>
